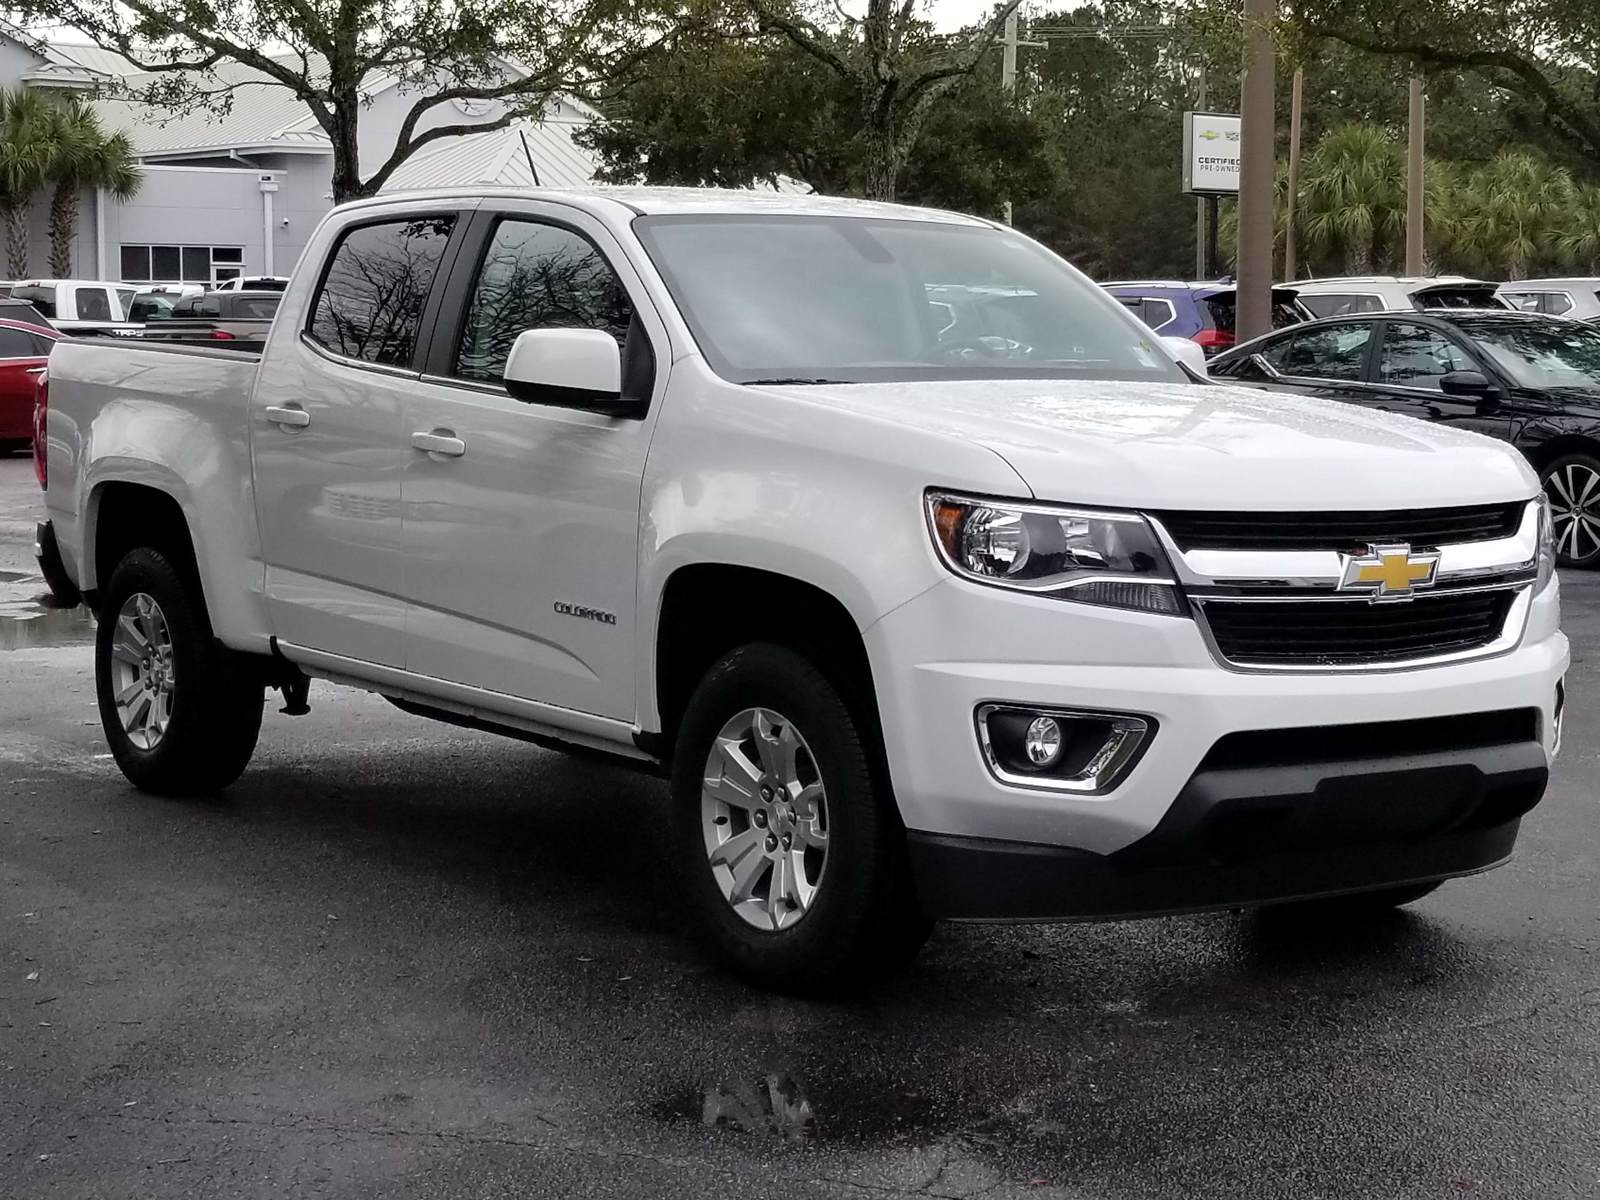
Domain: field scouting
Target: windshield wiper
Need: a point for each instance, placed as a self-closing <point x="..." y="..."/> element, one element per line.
<point x="788" y="380"/>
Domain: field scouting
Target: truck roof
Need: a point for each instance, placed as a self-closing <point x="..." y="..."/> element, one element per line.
<point x="652" y="201"/>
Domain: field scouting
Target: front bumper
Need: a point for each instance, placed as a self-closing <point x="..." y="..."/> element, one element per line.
<point x="993" y="646"/>
<point x="1250" y="828"/>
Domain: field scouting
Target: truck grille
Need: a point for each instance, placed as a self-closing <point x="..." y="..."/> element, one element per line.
<point x="1328" y="633"/>
<point x="1341" y="530"/>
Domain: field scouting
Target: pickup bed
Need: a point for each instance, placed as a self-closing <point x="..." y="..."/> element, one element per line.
<point x="936" y="585"/>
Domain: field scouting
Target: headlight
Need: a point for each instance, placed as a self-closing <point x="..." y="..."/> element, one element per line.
<point x="1547" y="545"/>
<point x="1071" y="554"/>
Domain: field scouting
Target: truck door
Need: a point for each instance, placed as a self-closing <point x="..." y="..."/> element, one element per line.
<point x="522" y="520"/>
<point x="329" y="444"/>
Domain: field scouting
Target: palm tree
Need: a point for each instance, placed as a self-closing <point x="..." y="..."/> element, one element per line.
<point x="24" y="161"/>
<point x="82" y="155"/>
<point x="1581" y="241"/>
<point x="1516" y="208"/>
<point x="1353" y="196"/>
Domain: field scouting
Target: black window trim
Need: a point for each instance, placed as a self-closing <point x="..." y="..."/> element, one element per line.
<point x="450" y="315"/>
<point x="429" y="307"/>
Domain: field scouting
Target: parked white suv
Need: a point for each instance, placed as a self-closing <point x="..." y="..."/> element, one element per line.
<point x="936" y="585"/>
<point x="1340" y="296"/>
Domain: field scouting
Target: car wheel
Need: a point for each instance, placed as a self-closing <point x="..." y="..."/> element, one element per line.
<point x="1572" y="483"/>
<point x="181" y="712"/>
<point x="793" y="855"/>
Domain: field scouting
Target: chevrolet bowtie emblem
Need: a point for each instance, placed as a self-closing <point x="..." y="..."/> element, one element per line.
<point x="1389" y="572"/>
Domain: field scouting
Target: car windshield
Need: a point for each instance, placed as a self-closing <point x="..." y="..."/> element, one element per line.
<point x="799" y="299"/>
<point x="1544" y="354"/>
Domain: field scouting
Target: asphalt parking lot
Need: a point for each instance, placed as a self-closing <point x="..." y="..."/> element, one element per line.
<point x="403" y="960"/>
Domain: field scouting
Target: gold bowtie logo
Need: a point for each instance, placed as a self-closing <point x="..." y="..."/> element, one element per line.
<point x="1389" y="572"/>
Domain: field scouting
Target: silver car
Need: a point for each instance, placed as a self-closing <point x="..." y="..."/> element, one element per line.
<point x="1577" y="298"/>
<point x="1345" y="295"/>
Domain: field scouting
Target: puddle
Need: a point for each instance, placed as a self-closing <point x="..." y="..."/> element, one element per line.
<point x="29" y="617"/>
<point x="777" y="1106"/>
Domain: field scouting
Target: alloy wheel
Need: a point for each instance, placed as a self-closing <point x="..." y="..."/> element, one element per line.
<point x="764" y="814"/>
<point x="1574" y="492"/>
<point x="142" y="671"/>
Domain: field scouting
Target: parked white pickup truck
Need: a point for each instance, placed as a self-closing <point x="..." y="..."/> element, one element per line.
<point x="940" y="588"/>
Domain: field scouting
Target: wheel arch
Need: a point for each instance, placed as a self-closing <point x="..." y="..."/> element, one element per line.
<point x="708" y="609"/>
<point x="1541" y="456"/>
<point x="123" y="515"/>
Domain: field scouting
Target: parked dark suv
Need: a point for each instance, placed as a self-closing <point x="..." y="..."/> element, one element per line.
<point x="1201" y="312"/>
<point x="1526" y="378"/>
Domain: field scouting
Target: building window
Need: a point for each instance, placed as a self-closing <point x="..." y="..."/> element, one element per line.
<point x="181" y="264"/>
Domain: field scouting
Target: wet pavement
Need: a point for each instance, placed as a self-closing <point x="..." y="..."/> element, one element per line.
<point x="402" y="960"/>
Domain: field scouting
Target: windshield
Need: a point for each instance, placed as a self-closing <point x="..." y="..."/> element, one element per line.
<point x="1559" y="354"/>
<point x="800" y="299"/>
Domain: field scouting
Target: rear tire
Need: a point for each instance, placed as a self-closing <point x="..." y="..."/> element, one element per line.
<point x="1572" y="484"/>
<point x="809" y="891"/>
<point x="181" y="711"/>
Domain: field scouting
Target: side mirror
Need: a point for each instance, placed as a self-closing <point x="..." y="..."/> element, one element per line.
<point x="1467" y="383"/>
<point x="1186" y="352"/>
<point x="569" y="368"/>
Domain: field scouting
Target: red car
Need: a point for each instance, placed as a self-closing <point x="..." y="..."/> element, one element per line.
<point x="23" y="350"/>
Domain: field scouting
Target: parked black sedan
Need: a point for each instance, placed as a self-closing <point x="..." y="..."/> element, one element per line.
<point x="1526" y="378"/>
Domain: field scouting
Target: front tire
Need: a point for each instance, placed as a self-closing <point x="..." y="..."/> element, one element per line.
<point x="181" y="712"/>
<point x="792" y="854"/>
<point x="1572" y="484"/>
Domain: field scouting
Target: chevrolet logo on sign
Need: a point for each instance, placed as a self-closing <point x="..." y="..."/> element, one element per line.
<point x="1388" y="572"/>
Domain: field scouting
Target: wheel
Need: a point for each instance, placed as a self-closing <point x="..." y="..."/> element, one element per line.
<point x="181" y="712"/>
<point x="1572" y="483"/>
<point x="1357" y="904"/>
<point x="792" y="853"/>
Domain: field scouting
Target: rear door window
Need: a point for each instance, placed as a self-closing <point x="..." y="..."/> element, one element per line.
<point x="1419" y="357"/>
<point x="369" y="305"/>
<point x="16" y="344"/>
<point x="256" y="308"/>
<point x="1556" y="304"/>
<point x="1330" y="352"/>
<point x="92" y="303"/>
<point x="1157" y="313"/>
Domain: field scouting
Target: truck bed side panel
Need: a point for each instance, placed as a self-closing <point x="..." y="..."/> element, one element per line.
<point x="170" y="418"/>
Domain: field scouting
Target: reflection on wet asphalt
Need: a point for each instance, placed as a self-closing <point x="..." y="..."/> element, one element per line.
<point x="30" y="617"/>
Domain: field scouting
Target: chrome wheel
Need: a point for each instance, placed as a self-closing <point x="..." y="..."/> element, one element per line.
<point x="1574" y="492"/>
<point x="142" y="673"/>
<point x="764" y="814"/>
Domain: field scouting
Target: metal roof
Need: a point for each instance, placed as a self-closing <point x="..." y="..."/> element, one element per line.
<point x="507" y="157"/>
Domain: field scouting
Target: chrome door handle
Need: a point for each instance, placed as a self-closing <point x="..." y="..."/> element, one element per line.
<point x="290" y="416"/>
<point x="440" y="442"/>
<point x="36" y="370"/>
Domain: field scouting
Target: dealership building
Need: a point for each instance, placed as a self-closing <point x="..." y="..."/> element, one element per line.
<point x="239" y="191"/>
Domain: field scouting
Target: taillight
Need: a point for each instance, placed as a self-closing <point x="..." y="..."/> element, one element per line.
<point x="221" y="335"/>
<point x="41" y="426"/>
<point x="1213" y="341"/>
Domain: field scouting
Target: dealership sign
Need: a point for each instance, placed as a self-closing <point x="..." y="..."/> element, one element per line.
<point x="1211" y="154"/>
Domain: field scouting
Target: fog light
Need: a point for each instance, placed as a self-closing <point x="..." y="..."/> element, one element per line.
<point x="1043" y="741"/>
<point x="1060" y="749"/>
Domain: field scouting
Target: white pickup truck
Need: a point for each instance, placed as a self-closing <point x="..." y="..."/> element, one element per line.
<point x="937" y="585"/>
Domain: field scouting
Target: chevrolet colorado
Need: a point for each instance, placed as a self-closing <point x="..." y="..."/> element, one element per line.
<point x="937" y="585"/>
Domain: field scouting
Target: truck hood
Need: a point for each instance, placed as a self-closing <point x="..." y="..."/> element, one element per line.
<point x="1138" y="445"/>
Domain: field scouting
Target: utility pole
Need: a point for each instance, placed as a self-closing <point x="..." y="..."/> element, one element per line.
<point x="1290" y="265"/>
<point x="1009" y="43"/>
<point x="1414" y="212"/>
<point x="1201" y="267"/>
<point x="1256" y="168"/>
